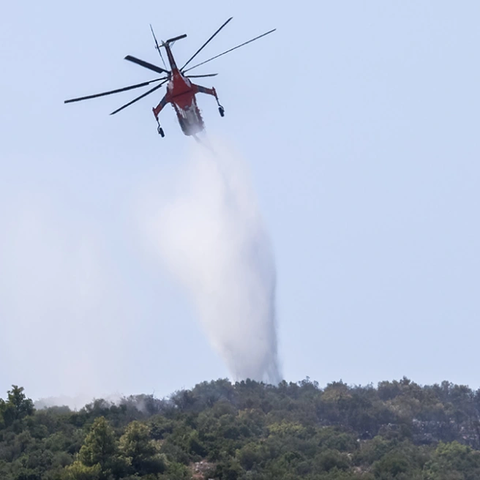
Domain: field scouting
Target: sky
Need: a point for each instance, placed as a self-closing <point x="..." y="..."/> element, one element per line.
<point x="358" y="124"/>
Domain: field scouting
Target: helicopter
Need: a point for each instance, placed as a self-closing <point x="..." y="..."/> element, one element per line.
<point x="181" y="91"/>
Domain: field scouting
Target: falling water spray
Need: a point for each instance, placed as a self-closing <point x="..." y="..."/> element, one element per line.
<point x="212" y="237"/>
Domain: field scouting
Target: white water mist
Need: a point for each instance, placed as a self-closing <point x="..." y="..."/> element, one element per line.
<point x="211" y="235"/>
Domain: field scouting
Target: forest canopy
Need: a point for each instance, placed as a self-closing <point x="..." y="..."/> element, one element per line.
<point x="250" y="430"/>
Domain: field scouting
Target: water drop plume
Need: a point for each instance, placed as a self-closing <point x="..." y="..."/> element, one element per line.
<point x="212" y="237"/>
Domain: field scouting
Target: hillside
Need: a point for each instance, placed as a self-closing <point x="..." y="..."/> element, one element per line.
<point x="249" y="430"/>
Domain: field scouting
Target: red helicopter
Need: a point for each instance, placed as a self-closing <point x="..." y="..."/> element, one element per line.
<point x="181" y="92"/>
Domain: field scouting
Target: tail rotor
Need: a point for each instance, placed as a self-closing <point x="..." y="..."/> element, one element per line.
<point x="157" y="46"/>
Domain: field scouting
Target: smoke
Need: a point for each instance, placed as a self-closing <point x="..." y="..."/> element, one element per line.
<point x="63" y="329"/>
<point x="212" y="237"/>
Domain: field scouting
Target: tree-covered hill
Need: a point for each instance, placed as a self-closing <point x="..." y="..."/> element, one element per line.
<point x="249" y="430"/>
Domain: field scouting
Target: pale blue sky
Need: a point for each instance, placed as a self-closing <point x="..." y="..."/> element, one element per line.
<point x="359" y="123"/>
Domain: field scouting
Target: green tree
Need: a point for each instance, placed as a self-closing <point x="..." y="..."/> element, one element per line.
<point x="452" y="461"/>
<point x="100" y="448"/>
<point x="135" y="442"/>
<point x="249" y="456"/>
<point x="17" y="406"/>
<point x="140" y="450"/>
<point x="79" y="471"/>
<point x="176" y="471"/>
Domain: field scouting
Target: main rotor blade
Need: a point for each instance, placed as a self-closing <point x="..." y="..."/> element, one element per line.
<point x="228" y="51"/>
<point x="202" y="76"/>
<point x="131" y="87"/>
<point x="146" y="64"/>
<point x="138" y="98"/>
<point x="205" y="44"/>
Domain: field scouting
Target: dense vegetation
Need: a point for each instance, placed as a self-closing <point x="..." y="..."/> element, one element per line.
<point x="249" y="430"/>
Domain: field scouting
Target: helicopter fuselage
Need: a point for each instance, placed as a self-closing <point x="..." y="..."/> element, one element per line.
<point x="181" y="95"/>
